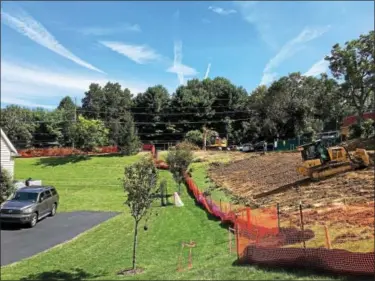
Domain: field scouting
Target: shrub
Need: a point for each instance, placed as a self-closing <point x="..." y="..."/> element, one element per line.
<point x="6" y="185"/>
<point x="194" y="137"/>
<point x="365" y="130"/>
<point x="355" y="131"/>
<point x="185" y="145"/>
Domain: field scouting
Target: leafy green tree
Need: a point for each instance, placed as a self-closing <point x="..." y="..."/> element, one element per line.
<point x="140" y="186"/>
<point x="178" y="160"/>
<point x="195" y="137"/>
<point x="150" y="109"/>
<point x="6" y="185"/>
<point x="354" y="64"/>
<point x="48" y="127"/>
<point x="90" y="133"/>
<point x="17" y="123"/>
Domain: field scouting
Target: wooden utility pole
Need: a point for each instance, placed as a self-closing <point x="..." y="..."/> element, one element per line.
<point x="204" y="137"/>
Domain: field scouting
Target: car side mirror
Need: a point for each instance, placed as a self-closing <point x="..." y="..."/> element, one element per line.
<point x="41" y="199"/>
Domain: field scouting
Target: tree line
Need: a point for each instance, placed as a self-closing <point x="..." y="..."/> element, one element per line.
<point x="293" y="105"/>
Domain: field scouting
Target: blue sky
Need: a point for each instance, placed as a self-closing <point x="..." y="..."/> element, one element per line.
<point x="53" y="49"/>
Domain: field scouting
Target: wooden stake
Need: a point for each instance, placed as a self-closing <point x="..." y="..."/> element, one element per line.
<point x="302" y="226"/>
<point x="328" y="238"/>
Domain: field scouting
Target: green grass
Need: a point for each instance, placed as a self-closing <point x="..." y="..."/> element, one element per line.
<point x="105" y="249"/>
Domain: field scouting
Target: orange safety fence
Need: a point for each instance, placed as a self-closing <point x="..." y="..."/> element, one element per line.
<point x="296" y="238"/>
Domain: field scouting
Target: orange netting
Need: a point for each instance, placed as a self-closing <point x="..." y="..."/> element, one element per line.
<point x="296" y="238"/>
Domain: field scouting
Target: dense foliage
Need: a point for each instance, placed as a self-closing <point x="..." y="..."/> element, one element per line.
<point x="6" y="185"/>
<point x="292" y="106"/>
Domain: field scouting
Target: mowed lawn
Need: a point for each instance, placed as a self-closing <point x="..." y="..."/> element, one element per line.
<point x="95" y="184"/>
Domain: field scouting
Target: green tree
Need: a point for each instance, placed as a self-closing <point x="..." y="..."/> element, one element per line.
<point x="90" y="133"/>
<point x="354" y="64"/>
<point x="140" y="186"/>
<point x="17" y="123"/>
<point x="195" y="137"/>
<point x="178" y="161"/>
<point x="68" y="111"/>
<point x="48" y="127"/>
<point x="6" y="185"/>
<point x="150" y="109"/>
<point x="127" y="140"/>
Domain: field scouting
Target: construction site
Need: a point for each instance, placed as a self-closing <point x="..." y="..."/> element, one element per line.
<point x="338" y="209"/>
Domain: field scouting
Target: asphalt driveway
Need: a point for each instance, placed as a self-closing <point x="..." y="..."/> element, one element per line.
<point x="19" y="243"/>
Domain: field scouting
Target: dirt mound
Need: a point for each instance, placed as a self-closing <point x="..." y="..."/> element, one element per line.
<point x="258" y="174"/>
<point x="249" y="177"/>
<point x="368" y="144"/>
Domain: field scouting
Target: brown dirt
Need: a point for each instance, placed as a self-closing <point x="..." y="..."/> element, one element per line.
<point x="126" y="272"/>
<point x="248" y="177"/>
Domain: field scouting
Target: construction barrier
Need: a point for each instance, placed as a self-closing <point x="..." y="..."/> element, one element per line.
<point x="262" y="239"/>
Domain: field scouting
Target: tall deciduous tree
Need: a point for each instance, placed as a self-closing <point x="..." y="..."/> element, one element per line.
<point x="354" y="64"/>
<point x="17" y="123"/>
<point x="90" y="133"/>
<point x="127" y="140"/>
<point x="140" y="186"/>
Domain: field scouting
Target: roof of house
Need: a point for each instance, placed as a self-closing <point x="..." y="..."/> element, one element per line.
<point x="8" y="142"/>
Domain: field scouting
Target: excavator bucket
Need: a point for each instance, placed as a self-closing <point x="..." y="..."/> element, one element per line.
<point x="362" y="155"/>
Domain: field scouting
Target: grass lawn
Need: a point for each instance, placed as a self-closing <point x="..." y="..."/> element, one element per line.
<point x="93" y="184"/>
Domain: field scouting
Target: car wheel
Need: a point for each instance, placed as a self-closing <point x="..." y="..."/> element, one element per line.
<point x="53" y="211"/>
<point x="34" y="220"/>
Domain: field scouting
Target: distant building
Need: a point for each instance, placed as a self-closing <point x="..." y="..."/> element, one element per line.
<point x="350" y="120"/>
<point x="8" y="152"/>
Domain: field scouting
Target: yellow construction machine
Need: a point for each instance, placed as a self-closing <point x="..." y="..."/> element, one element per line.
<point x="218" y="143"/>
<point x="320" y="161"/>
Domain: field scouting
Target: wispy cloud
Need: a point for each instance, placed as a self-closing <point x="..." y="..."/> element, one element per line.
<point x="207" y="71"/>
<point x="26" y="85"/>
<point x="138" y="53"/>
<point x="319" y="67"/>
<point x="180" y="69"/>
<point x="29" y="27"/>
<point x="100" y="31"/>
<point x="254" y="13"/>
<point x="289" y="49"/>
<point x="222" y="11"/>
<point x="204" y="20"/>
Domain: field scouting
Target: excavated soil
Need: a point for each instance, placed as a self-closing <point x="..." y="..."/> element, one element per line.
<point x="246" y="178"/>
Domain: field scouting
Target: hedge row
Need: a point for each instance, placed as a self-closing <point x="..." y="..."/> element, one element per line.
<point x="63" y="151"/>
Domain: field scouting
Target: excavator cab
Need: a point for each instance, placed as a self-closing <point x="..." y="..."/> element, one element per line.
<point x="314" y="151"/>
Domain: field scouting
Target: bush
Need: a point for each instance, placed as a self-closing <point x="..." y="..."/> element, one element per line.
<point x="6" y="184"/>
<point x="194" y="137"/>
<point x="368" y="128"/>
<point x="365" y="130"/>
<point x="355" y="131"/>
<point x="185" y="145"/>
<point x="61" y="151"/>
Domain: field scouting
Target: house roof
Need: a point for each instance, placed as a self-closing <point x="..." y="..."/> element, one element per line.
<point x="8" y="142"/>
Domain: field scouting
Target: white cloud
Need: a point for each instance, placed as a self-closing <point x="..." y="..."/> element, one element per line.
<point x="222" y="11"/>
<point x="26" y="85"/>
<point x="99" y="31"/>
<point x="207" y="71"/>
<point x="317" y="68"/>
<point x="22" y="102"/>
<point x="29" y="27"/>
<point x="289" y="49"/>
<point x="268" y="78"/>
<point x="180" y="69"/>
<point x="139" y="53"/>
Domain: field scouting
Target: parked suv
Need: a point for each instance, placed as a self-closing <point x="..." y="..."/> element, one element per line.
<point x="30" y="204"/>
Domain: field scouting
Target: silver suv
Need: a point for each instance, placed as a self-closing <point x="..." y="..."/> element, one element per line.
<point x="30" y="204"/>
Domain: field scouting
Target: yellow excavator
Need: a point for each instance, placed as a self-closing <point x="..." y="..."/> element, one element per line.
<point x="320" y="161"/>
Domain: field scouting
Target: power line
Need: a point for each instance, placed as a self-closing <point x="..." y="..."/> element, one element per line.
<point x="148" y="123"/>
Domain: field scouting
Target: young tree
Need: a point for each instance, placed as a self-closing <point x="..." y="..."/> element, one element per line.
<point x="355" y="65"/>
<point x="140" y="186"/>
<point x="90" y="133"/>
<point x="178" y="161"/>
<point x="6" y="185"/>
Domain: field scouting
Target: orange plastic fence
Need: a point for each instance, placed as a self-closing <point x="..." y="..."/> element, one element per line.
<point x="260" y="239"/>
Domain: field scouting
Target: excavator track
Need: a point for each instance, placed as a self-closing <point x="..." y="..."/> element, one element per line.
<point x="330" y="169"/>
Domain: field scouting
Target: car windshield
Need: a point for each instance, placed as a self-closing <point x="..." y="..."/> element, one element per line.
<point x="25" y="196"/>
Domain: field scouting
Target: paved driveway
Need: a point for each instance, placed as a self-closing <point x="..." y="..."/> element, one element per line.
<point x="19" y="243"/>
